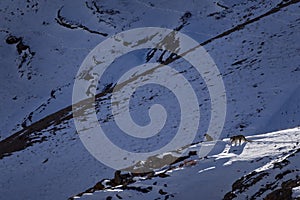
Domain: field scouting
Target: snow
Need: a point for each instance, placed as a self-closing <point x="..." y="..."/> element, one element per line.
<point x="296" y="192"/>
<point x="212" y="177"/>
<point x="259" y="63"/>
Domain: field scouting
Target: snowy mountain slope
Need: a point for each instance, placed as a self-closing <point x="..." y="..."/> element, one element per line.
<point x="253" y="170"/>
<point x="41" y="155"/>
<point x="57" y="47"/>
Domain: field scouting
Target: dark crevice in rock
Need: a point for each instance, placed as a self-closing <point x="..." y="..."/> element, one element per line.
<point x="74" y="25"/>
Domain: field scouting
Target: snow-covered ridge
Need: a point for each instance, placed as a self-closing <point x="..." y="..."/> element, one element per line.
<point x="269" y="159"/>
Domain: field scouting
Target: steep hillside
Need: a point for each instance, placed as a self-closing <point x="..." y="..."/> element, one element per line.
<point x="254" y="45"/>
<point x="265" y="168"/>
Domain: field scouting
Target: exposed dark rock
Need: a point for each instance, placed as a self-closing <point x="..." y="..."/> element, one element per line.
<point x="74" y="25"/>
<point x="13" y="39"/>
<point x="21" y="47"/>
<point x="285" y="192"/>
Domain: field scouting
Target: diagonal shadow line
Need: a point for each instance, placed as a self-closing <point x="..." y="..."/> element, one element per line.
<point x="23" y="139"/>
